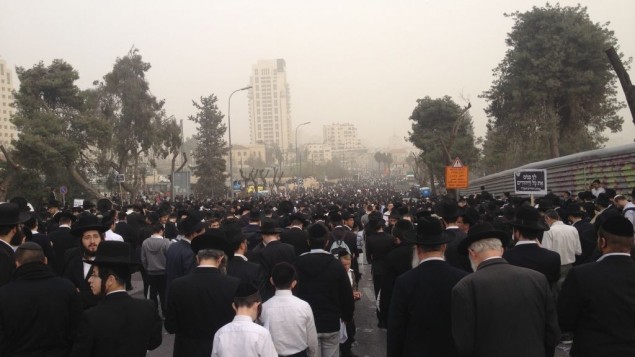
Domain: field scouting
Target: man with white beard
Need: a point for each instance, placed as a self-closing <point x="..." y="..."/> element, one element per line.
<point x="500" y="299"/>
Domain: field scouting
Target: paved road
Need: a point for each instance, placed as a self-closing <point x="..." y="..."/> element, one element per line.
<point x="371" y="341"/>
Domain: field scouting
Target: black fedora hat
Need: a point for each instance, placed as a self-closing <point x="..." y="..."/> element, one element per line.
<point x="192" y="223"/>
<point x="233" y="233"/>
<point x="470" y="216"/>
<point x="574" y="209"/>
<point x="528" y="217"/>
<point x="112" y="253"/>
<point x="448" y="209"/>
<point x="11" y="215"/>
<point x="213" y="238"/>
<point x="87" y="222"/>
<point x="482" y="231"/>
<point x="298" y="217"/>
<point x="268" y="226"/>
<point x="603" y="200"/>
<point x="429" y="232"/>
<point x="64" y="214"/>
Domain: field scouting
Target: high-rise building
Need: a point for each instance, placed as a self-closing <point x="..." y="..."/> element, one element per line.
<point x="342" y="136"/>
<point x="269" y="106"/>
<point x="7" y="129"/>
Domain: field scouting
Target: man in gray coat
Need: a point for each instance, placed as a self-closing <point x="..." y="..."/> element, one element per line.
<point x="501" y="309"/>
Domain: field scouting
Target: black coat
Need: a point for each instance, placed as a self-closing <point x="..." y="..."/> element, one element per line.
<point x="536" y="258"/>
<point x="62" y="240"/>
<point x="419" y="320"/>
<point x="7" y="263"/>
<point x="378" y="245"/>
<point x="597" y="303"/>
<point x="179" y="261"/>
<point x="39" y="313"/>
<point x="43" y="241"/>
<point x="74" y="271"/>
<point x="504" y="310"/>
<point x="273" y="253"/>
<point x="399" y="261"/>
<point x="246" y="271"/>
<point x="252" y="233"/>
<point x="298" y="238"/>
<point x="452" y="255"/>
<point x="170" y="230"/>
<point x="199" y="304"/>
<point x="119" y="326"/>
<point x="588" y="241"/>
<point x="323" y="283"/>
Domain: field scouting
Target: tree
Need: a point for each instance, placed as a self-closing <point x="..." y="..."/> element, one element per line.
<point x="57" y="126"/>
<point x="137" y="118"/>
<point x="553" y="93"/>
<point x="440" y="124"/>
<point x="210" y="148"/>
<point x="379" y="157"/>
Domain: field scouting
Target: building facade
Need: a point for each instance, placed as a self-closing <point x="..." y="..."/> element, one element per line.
<point x="318" y="153"/>
<point x="341" y="137"/>
<point x="269" y="105"/>
<point x="7" y="129"/>
<point x="244" y="155"/>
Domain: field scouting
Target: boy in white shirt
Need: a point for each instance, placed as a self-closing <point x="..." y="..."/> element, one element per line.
<point x="289" y="319"/>
<point x="243" y="337"/>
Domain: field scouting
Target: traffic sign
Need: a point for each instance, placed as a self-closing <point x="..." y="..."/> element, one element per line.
<point x="63" y="190"/>
<point x="456" y="177"/>
<point x="532" y="182"/>
<point x="121" y="178"/>
<point x="457" y="163"/>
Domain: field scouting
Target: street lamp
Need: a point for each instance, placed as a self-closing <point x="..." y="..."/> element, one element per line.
<point x="229" y="131"/>
<point x="296" y="148"/>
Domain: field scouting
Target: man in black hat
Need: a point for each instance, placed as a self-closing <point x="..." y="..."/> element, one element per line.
<point x="54" y="211"/>
<point x="119" y="325"/>
<point x="588" y="238"/>
<point x="597" y="299"/>
<point x="39" y="312"/>
<point x="10" y="220"/>
<point x="62" y="239"/>
<point x="273" y="252"/>
<point x="527" y="252"/>
<point x="449" y="212"/>
<point x="605" y="209"/>
<point x="252" y="230"/>
<point x="295" y="234"/>
<point x="325" y="285"/>
<point x="419" y="320"/>
<point x="501" y="300"/>
<point x="200" y="303"/>
<point x="90" y="233"/>
<point x="239" y="265"/>
<point x="179" y="256"/>
<point x="378" y="246"/>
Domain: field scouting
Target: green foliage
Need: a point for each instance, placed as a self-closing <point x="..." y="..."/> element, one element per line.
<point x="210" y="148"/>
<point x="554" y="92"/>
<point x="433" y="123"/>
<point x="331" y="169"/>
<point x="56" y="124"/>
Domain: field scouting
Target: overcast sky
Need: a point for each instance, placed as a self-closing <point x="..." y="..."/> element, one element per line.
<point x="364" y="62"/>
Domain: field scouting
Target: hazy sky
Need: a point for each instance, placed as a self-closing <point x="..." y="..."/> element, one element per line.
<point x="364" y="62"/>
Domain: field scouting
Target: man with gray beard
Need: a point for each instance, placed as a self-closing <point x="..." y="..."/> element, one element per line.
<point x="501" y="309"/>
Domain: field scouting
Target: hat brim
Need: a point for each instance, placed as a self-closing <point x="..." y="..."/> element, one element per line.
<point x="78" y="231"/>
<point x="274" y="231"/>
<point x="196" y="228"/>
<point x="504" y="237"/>
<point x="431" y="240"/>
<point x="23" y="217"/>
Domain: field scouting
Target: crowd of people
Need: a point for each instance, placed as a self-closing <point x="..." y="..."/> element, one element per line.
<point x="279" y="276"/>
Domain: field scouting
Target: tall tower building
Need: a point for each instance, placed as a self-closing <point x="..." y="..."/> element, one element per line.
<point x="269" y="106"/>
<point x="7" y="129"/>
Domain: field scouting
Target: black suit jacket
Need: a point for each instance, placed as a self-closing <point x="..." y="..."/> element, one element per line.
<point x="452" y="255"/>
<point x="43" y="241"/>
<point x="378" y="245"/>
<point x="199" y="304"/>
<point x="246" y="271"/>
<point x="39" y="313"/>
<point x="398" y="261"/>
<point x="504" y="310"/>
<point x="7" y="263"/>
<point x="74" y="271"/>
<point x="597" y="303"/>
<point x="298" y="238"/>
<point x="62" y="240"/>
<point x="119" y="326"/>
<point x="273" y="253"/>
<point x="170" y="231"/>
<point x="588" y="241"/>
<point x="419" y="320"/>
<point x="536" y="258"/>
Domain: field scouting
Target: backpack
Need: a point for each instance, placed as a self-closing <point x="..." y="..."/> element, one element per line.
<point x="338" y="247"/>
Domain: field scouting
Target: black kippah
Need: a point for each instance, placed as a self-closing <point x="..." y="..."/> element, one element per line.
<point x="245" y="290"/>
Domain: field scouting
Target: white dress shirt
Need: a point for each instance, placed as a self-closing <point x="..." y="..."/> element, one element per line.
<point x="243" y="337"/>
<point x="110" y="235"/>
<point x="290" y="321"/>
<point x="564" y="240"/>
